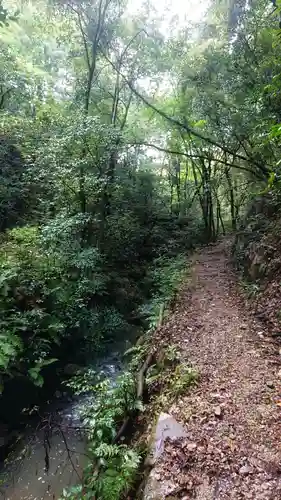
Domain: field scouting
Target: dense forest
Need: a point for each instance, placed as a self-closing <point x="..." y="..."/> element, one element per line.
<point x="128" y="136"/>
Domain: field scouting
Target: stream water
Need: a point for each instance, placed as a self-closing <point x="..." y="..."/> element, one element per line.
<point x="24" y="477"/>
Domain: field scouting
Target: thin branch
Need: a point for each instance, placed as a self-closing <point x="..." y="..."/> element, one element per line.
<point x="69" y="455"/>
<point x="126" y="111"/>
<point x="84" y="42"/>
<point x="130" y="43"/>
<point x="196" y="156"/>
<point x="181" y="125"/>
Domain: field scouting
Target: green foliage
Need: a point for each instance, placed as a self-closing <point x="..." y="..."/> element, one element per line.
<point x="169" y="382"/>
<point x="138" y="352"/>
<point x="87" y="219"/>
<point x="112" y="467"/>
<point x="45" y="299"/>
<point x="170" y="376"/>
<point x="34" y="372"/>
<point x="183" y="377"/>
<point x="10" y="348"/>
<point x="115" y="481"/>
<point x="251" y="289"/>
<point x="101" y="196"/>
<point x="5" y="16"/>
<point x="12" y="188"/>
<point x="164" y="277"/>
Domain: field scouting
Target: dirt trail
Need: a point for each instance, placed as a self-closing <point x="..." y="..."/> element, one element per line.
<point x="233" y="448"/>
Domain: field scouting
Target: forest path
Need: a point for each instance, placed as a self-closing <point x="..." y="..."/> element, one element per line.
<point x="233" y="444"/>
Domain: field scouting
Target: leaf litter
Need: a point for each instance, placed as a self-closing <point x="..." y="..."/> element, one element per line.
<point x="232" y="418"/>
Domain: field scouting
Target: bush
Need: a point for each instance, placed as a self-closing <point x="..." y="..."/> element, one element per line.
<point x="163" y="279"/>
<point x="49" y="298"/>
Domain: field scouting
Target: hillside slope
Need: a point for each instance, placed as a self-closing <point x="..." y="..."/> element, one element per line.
<point x="257" y="254"/>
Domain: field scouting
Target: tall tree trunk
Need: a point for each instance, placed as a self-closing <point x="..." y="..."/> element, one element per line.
<point x="185" y="187"/>
<point x="171" y="196"/>
<point x="232" y="198"/>
<point x="208" y="201"/>
<point x="200" y="196"/>
<point x="219" y="217"/>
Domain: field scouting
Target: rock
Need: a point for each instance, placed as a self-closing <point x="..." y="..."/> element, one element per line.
<point x="166" y="427"/>
<point x="157" y="487"/>
<point x="279" y="374"/>
<point x="149" y="462"/>
<point x="246" y="469"/>
<point x="191" y="446"/>
<point x="270" y="384"/>
<point x="218" y="412"/>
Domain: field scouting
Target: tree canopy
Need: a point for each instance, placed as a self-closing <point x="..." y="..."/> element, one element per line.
<point x="126" y="136"/>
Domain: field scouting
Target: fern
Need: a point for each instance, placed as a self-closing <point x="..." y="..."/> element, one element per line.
<point x="117" y="464"/>
<point x="107" y="451"/>
<point x="10" y="347"/>
<point x="117" y="479"/>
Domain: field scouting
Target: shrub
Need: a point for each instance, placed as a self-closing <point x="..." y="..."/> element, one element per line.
<point x="112" y="467"/>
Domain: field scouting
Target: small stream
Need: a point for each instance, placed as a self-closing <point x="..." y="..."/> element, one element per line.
<point x="25" y="477"/>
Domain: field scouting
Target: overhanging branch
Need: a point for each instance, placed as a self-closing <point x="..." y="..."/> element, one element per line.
<point x="196" y="156"/>
<point x="184" y="126"/>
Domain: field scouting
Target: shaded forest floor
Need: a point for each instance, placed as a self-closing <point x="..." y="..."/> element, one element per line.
<point x="232" y="418"/>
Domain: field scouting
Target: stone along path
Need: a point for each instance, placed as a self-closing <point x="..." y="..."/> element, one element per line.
<point x="232" y="448"/>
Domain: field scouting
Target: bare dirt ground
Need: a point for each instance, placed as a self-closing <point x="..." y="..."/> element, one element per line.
<point x="233" y="417"/>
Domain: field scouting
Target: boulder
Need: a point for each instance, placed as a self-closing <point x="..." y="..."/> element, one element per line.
<point x="166" y="427"/>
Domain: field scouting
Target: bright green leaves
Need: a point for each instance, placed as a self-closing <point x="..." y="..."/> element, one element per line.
<point x="35" y="371"/>
<point x="166" y="276"/>
<point x="11" y="347"/>
<point x="275" y="131"/>
<point x="112" y="467"/>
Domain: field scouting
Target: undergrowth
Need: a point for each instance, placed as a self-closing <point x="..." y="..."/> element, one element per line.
<point x="112" y="467"/>
<point x="251" y="289"/>
<point x="169" y="378"/>
<point x="164" y="276"/>
<point x="113" y="460"/>
<point x="114" y="464"/>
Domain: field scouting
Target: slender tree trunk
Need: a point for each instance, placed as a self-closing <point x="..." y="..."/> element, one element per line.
<point x="211" y="220"/>
<point x="178" y="209"/>
<point x="171" y="196"/>
<point x="208" y="201"/>
<point x="219" y="216"/>
<point x="200" y="196"/>
<point x="232" y="198"/>
<point x="185" y="187"/>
